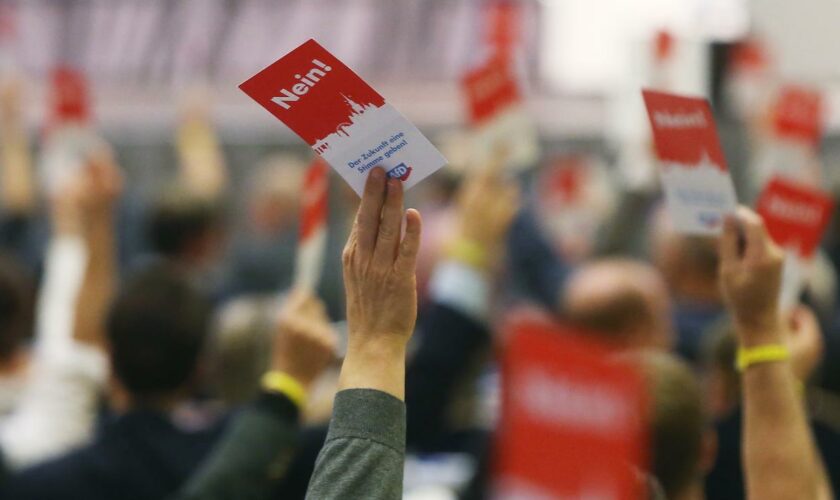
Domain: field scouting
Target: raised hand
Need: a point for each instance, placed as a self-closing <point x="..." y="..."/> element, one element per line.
<point x="305" y="342"/>
<point x="751" y="277"/>
<point x="381" y="287"/>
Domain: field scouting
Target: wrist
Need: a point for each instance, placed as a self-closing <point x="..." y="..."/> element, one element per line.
<point x="757" y="333"/>
<point x="281" y="382"/>
<point x="375" y="365"/>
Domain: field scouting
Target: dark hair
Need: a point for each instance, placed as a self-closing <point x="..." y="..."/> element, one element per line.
<point x="678" y="422"/>
<point x="156" y="329"/>
<point x="178" y="218"/>
<point x="16" y="306"/>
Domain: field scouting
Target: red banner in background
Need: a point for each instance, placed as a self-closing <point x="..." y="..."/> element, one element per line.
<point x="503" y="26"/>
<point x="490" y="89"/>
<point x="798" y="114"/>
<point x="795" y="215"/>
<point x="573" y="422"/>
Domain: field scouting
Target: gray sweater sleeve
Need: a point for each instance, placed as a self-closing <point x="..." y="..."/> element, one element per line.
<point x="364" y="452"/>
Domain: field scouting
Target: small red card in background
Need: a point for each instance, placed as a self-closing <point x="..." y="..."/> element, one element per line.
<point x="313" y="225"/>
<point x="573" y="423"/>
<point x="795" y="215"/>
<point x="663" y="47"/>
<point x="70" y="96"/>
<point x="684" y="129"/>
<point x="798" y="114"/>
<point x="491" y="89"/>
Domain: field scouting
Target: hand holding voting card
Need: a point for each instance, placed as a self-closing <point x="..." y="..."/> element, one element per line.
<point x="342" y="118"/>
<point x="696" y="180"/>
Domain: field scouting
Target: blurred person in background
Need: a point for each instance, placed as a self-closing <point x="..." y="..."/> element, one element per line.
<point x="263" y="252"/>
<point x="689" y="265"/>
<point x="156" y="331"/>
<point x="624" y="300"/>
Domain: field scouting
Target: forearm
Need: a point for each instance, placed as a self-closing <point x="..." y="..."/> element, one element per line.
<point x="364" y="453"/>
<point x="780" y="458"/>
<point x="99" y="281"/>
<point x="18" y="185"/>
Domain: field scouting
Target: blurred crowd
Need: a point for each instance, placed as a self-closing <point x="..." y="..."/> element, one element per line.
<point x="154" y="347"/>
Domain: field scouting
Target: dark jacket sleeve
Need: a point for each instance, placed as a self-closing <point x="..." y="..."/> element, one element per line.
<point x="364" y="454"/>
<point x="253" y="455"/>
<point x="448" y="341"/>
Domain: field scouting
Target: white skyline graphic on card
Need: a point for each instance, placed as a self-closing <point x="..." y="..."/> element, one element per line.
<point x="361" y="119"/>
<point x="700" y="195"/>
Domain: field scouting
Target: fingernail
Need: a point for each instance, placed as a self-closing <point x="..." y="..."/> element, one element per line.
<point x="377" y="173"/>
<point x="393" y="183"/>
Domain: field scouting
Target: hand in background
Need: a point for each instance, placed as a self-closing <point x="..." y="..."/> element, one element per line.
<point x="487" y="204"/>
<point x="805" y="341"/>
<point x="305" y="342"/>
<point x="750" y="277"/>
<point x="381" y="287"/>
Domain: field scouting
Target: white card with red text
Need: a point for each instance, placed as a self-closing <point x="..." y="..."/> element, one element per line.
<point x="698" y="188"/>
<point x="342" y="118"/>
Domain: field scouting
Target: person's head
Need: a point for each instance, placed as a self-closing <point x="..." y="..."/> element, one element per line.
<point x="186" y="228"/>
<point x="682" y="444"/>
<point x="274" y="193"/>
<point x="689" y="264"/>
<point x="16" y="308"/>
<point x="156" y="330"/>
<point x="240" y="347"/>
<point x="623" y="301"/>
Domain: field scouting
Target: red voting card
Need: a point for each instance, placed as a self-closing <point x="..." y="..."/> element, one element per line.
<point x="490" y="89"/>
<point x="313" y="225"/>
<point x="314" y="204"/>
<point x="796" y="216"/>
<point x="573" y="422"/>
<point x="684" y="129"/>
<point x="798" y="114"/>
<point x="342" y="118"/>
<point x="70" y="96"/>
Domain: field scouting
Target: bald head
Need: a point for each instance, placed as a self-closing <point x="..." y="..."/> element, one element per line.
<point x="624" y="301"/>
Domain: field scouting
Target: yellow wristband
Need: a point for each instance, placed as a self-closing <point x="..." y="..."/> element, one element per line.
<point x="285" y="384"/>
<point x="762" y="354"/>
<point x="468" y="252"/>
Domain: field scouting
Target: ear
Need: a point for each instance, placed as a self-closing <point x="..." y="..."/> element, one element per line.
<point x="708" y="451"/>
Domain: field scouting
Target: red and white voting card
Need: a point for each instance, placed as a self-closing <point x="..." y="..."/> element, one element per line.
<point x="342" y="118"/>
<point x="573" y="422"/>
<point x="697" y="185"/>
<point x="498" y="117"/>
<point x="796" y="216"/>
<point x="312" y="241"/>
<point x="798" y="115"/>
